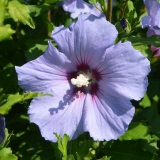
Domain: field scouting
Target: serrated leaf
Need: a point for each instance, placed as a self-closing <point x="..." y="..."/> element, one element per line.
<point x="20" y="12"/>
<point x="17" y="98"/>
<point x="136" y="131"/>
<point x="6" y="154"/>
<point x="3" y="11"/>
<point x="6" y="32"/>
<point x="145" y="102"/>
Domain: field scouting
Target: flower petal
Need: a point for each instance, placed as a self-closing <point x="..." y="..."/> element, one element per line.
<point x="76" y="7"/>
<point x="124" y="72"/>
<point x="45" y="72"/>
<point x="145" y="21"/>
<point x="153" y="9"/>
<point x="106" y="117"/>
<point x="152" y="31"/>
<point x="60" y="114"/>
<point x="84" y="43"/>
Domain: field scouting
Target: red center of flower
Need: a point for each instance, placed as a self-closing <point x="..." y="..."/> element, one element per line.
<point x="94" y="77"/>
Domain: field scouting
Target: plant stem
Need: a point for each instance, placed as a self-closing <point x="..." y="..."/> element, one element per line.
<point x="109" y="11"/>
<point x="123" y="9"/>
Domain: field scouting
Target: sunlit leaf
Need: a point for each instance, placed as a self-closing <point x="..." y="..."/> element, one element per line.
<point x="6" y="32"/>
<point x="144" y="49"/>
<point x="145" y="102"/>
<point x="136" y="131"/>
<point x="6" y="154"/>
<point x="20" y="12"/>
<point x="62" y="144"/>
<point x="16" y="98"/>
<point x="3" y="11"/>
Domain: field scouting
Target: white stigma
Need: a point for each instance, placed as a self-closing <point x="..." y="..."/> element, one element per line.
<point x="81" y="80"/>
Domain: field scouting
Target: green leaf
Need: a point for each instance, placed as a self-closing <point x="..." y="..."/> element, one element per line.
<point x="20" y="12"/>
<point x="155" y="125"/>
<point x="3" y="11"/>
<point x="105" y="158"/>
<point x="126" y="150"/>
<point x="90" y="155"/>
<point x="153" y="40"/>
<point x="49" y="25"/>
<point x="136" y="131"/>
<point x="36" y="48"/>
<point x="70" y="157"/>
<point x="35" y="11"/>
<point x="150" y="144"/>
<point x="6" y="154"/>
<point x="62" y="144"/>
<point x="52" y="1"/>
<point x="144" y="49"/>
<point x="84" y="148"/>
<point x="78" y="157"/>
<point x="17" y="98"/>
<point x="145" y="102"/>
<point x="92" y="1"/>
<point x="6" y="32"/>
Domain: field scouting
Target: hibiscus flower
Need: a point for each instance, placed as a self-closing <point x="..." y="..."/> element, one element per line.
<point x="152" y="20"/>
<point x="91" y="79"/>
<point x="76" y="7"/>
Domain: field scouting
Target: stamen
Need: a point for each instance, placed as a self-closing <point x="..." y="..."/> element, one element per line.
<point x="81" y="80"/>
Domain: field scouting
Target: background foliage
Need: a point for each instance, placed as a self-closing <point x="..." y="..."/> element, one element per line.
<point x="25" y="28"/>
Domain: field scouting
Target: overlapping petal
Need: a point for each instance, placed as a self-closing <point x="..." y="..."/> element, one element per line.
<point x="45" y="72"/>
<point x="84" y="43"/>
<point x="107" y="117"/>
<point x="119" y="70"/>
<point x="61" y="114"/>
